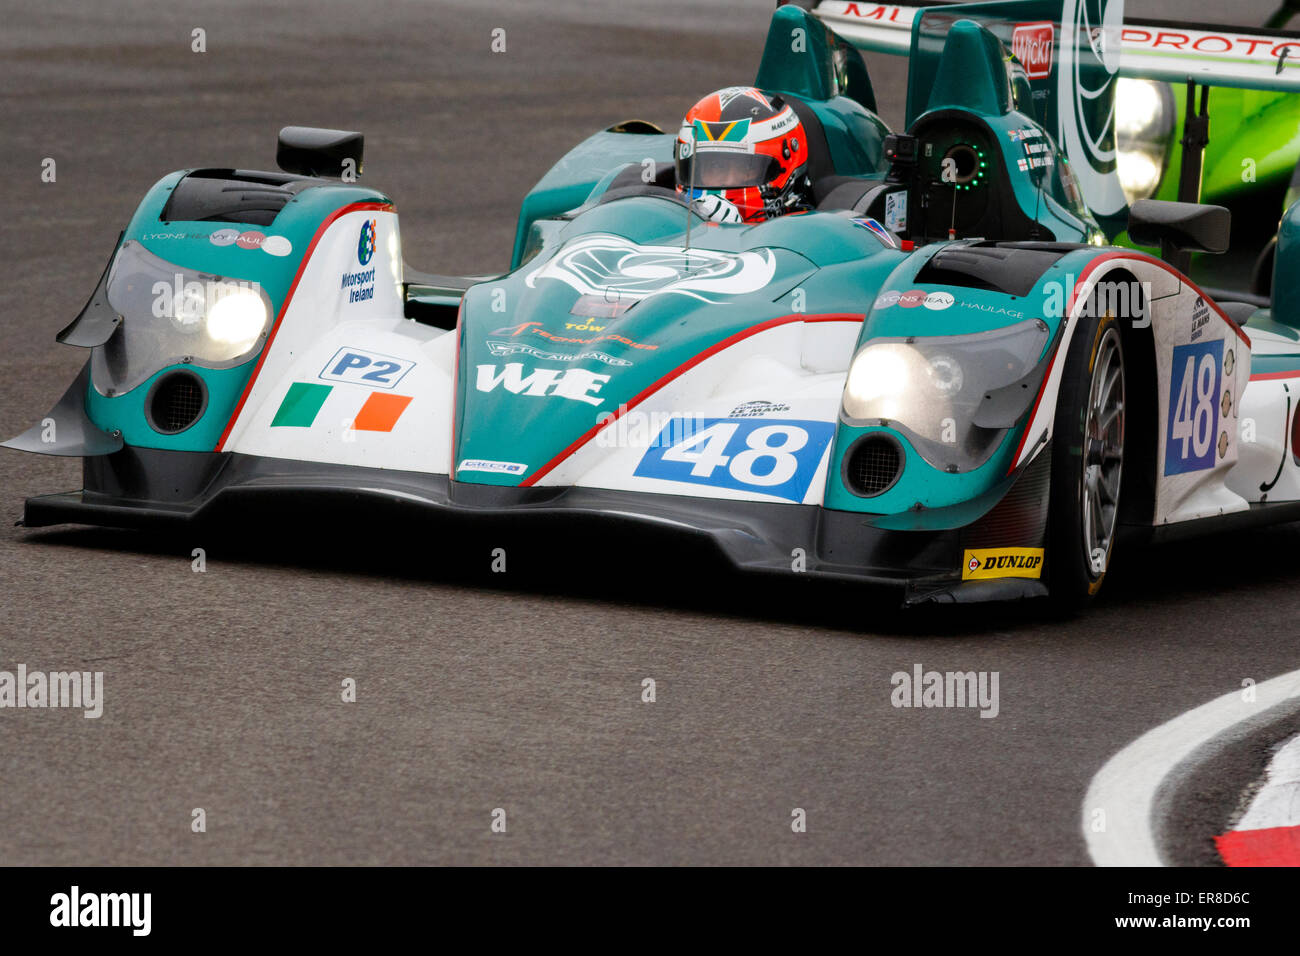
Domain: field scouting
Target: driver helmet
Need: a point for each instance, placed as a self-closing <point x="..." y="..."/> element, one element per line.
<point x="746" y="148"/>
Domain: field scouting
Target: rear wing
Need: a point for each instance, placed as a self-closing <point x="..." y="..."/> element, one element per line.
<point x="1253" y="59"/>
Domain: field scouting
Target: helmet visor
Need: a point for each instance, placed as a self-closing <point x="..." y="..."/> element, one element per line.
<point x="726" y="169"/>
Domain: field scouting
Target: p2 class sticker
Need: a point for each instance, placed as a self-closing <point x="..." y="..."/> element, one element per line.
<point x="493" y="467"/>
<point x="1194" y="396"/>
<point x="773" y="457"/>
<point x="362" y="367"/>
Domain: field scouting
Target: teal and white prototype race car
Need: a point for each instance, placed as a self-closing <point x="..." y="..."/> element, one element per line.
<point x="940" y="378"/>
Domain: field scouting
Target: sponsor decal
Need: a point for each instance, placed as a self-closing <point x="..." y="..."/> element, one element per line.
<point x="578" y="384"/>
<point x="503" y="349"/>
<point x="1032" y="45"/>
<point x="616" y="268"/>
<point x="896" y="211"/>
<point x="360" y="367"/>
<point x="871" y="11"/>
<point x="251" y="239"/>
<point x="778" y="458"/>
<point x="993" y="309"/>
<point x="936" y="301"/>
<point x="757" y="409"/>
<point x="359" y="286"/>
<point x="879" y="231"/>
<point x="983" y="563"/>
<point x="1200" y="318"/>
<point x="158" y="236"/>
<point x="535" y="328"/>
<point x="366" y="241"/>
<point x="1265" y="50"/>
<point x="494" y="467"/>
<point x="1193" y="422"/>
<point x="277" y="246"/>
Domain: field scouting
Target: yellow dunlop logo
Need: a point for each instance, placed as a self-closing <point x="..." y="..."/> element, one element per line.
<point x="1002" y="563"/>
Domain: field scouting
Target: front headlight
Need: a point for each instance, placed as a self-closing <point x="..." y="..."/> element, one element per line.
<point x="174" y="315"/>
<point x="950" y="395"/>
<point x="1145" y="115"/>
<point x="236" y="318"/>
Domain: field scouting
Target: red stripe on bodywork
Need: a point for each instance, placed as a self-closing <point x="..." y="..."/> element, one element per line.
<point x="1272" y="846"/>
<point x="1269" y="376"/>
<point x="678" y="372"/>
<point x="284" y="306"/>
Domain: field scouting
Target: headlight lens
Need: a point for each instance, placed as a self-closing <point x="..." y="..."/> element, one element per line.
<point x="1145" y="114"/>
<point x="931" y="387"/>
<point x="172" y="315"/>
<point x="236" y="318"/>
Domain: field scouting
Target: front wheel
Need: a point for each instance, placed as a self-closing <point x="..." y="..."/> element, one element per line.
<point x="1087" y="462"/>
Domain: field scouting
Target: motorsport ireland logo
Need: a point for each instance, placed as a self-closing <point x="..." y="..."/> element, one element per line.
<point x="366" y="244"/>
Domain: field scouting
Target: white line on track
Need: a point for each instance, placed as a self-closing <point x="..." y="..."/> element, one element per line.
<point x="1125" y="788"/>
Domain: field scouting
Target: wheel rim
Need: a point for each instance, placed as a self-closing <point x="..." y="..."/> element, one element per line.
<point x="1103" y="452"/>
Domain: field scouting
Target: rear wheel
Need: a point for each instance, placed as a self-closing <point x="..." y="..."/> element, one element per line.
<point x="1087" y="462"/>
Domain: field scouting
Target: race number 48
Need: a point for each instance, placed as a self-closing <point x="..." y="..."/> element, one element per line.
<point x="1193" y="407"/>
<point x="775" y="457"/>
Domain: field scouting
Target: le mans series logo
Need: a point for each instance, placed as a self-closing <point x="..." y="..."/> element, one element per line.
<point x="360" y="285"/>
<point x="984" y="563"/>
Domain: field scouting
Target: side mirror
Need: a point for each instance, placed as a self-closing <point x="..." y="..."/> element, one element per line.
<point x="1179" y="226"/>
<point x="308" y="151"/>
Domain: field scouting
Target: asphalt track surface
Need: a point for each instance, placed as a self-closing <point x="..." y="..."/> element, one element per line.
<point x="519" y="690"/>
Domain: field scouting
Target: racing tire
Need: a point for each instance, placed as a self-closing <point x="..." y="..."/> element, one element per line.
<point x="1087" y="462"/>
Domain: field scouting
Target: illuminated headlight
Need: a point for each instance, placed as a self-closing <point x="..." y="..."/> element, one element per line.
<point x="173" y="315"/>
<point x="236" y="319"/>
<point x="932" y="389"/>
<point x="1145" y="114"/>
